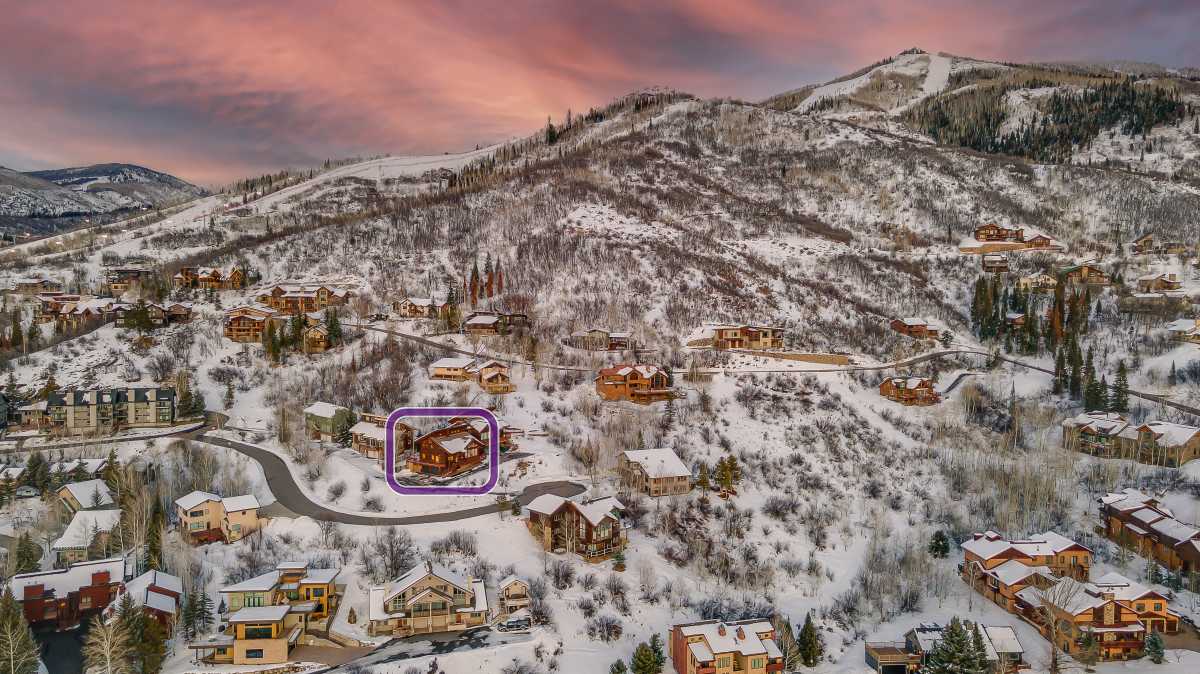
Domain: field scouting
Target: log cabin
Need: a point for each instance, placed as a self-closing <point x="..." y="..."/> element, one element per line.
<point x="447" y="452"/>
<point x="917" y="328"/>
<point x="909" y="390"/>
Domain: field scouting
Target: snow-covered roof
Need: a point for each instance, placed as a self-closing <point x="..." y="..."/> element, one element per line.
<point x="735" y="637"/>
<point x="456" y="444"/>
<point x="189" y="501"/>
<point x="317" y="576"/>
<point x="1013" y="571"/>
<point x="370" y="430"/>
<point x="142" y="590"/>
<point x="90" y="493"/>
<point x="61" y="582"/>
<point x="1003" y="639"/>
<point x="594" y="511"/>
<point x="453" y="363"/>
<point x="1101" y="423"/>
<point x="261" y="583"/>
<point x="235" y="503"/>
<point x="324" y="410"/>
<point x="990" y="544"/>
<point x="84" y="523"/>
<point x="252" y="614"/>
<point x="658" y="463"/>
<point x="1166" y="433"/>
<point x="415" y="575"/>
<point x="483" y="320"/>
<point x="1131" y="499"/>
<point x="509" y="580"/>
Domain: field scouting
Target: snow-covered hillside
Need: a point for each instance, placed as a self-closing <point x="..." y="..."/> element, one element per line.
<point x="101" y="188"/>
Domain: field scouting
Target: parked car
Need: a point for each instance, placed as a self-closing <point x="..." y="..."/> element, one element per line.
<point x="515" y="622"/>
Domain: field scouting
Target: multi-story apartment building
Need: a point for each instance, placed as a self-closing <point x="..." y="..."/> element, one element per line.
<point x="1145" y="524"/>
<point x="206" y="517"/>
<point x="429" y="598"/>
<point x="105" y="411"/>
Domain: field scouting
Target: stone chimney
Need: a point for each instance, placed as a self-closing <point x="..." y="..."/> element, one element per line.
<point x="721" y="629"/>
<point x="741" y="634"/>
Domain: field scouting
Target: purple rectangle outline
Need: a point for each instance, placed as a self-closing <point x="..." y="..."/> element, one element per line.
<point x="389" y="452"/>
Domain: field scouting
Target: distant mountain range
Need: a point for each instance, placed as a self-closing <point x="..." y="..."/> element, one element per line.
<point x="63" y="194"/>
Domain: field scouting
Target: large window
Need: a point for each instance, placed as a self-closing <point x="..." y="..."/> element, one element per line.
<point x="254" y="600"/>
<point x="259" y="632"/>
<point x="254" y="654"/>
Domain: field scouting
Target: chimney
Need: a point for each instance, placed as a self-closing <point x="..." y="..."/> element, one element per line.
<point x="721" y="629"/>
<point x="741" y="634"/>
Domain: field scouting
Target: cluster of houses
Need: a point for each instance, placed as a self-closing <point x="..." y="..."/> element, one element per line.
<point x="1149" y="243"/>
<point x="748" y="337"/>
<point x="457" y="447"/>
<point x="68" y="311"/>
<point x="97" y="412"/>
<point x="491" y="376"/>
<point x="917" y="391"/>
<point x="1111" y="435"/>
<point x="1143" y="523"/>
<point x="1044" y="580"/>
<point x="64" y="598"/>
<point x="1003" y="650"/>
<point x="277" y="304"/>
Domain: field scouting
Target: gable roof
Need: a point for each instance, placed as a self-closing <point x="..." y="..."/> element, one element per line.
<point x="324" y="410"/>
<point x="84" y="523"/>
<point x="61" y="582"/>
<point x="90" y="493"/>
<point x="189" y="501"/>
<point x="658" y="463"/>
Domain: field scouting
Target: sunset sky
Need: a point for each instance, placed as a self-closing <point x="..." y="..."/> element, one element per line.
<point x="215" y="90"/>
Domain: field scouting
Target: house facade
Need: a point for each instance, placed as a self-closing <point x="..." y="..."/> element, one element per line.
<point x="715" y="647"/>
<point x="1144" y="524"/>
<point x="294" y="299"/>
<point x="994" y="263"/>
<point x="210" y="278"/>
<point x="1061" y="555"/>
<point x="654" y="472"/>
<point x="1110" y="435"/>
<point x="493" y="323"/>
<point x="643" y="384"/>
<point x="591" y="529"/>
<point x="1085" y="274"/>
<point x="417" y="307"/>
<point x="755" y="337"/>
<point x="909" y="390"/>
<point x="1003" y="650"/>
<point x="448" y="451"/>
<point x="427" y="599"/>
<point x="369" y="438"/>
<point x="248" y="323"/>
<point x="917" y="328"/>
<point x="598" y="339"/>
<point x="994" y="232"/>
<point x="88" y="531"/>
<point x="326" y="421"/>
<point x="205" y="517"/>
<point x="1154" y="283"/>
<point x="512" y="595"/>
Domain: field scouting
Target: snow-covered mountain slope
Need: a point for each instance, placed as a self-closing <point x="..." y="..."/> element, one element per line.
<point x="102" y="188"/>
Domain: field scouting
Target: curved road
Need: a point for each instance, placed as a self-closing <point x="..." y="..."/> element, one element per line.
<point x="288" y="494"/>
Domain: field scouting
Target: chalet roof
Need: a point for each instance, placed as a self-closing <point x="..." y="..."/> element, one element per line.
<point x="142" y="590"/>
<point x="61" y="582"/>
<point x="594" y="511"/>
<point x="370" y="430"/>
<point x="1166" y="433"/>
<point x="324" y="410"/>
<point x="623" y="370"/>
<point x="456" y="444"/>
<point x="90" y="493"/>
<point x="990" y="544"/>
<point x="485" y="319"/>
<point x="995" y="257"/>
<point x="457" y="363"/>
<point x="422" y="571"/>
<point x="1121" y="587"/>
<point x="1003" y="639"/>
<point x="1100" y="423"/>
<point x="658" y="463"/>
<point x="509" y="580"/>
<point x="1013" y="571"/>
<point x="189" y="501"/>
<point x="91" y="466"/>
<point x="236" y="503"/>
<point x="741" y="637"/>
<point x="84" y="523"/>
<point x="912" y="322"/>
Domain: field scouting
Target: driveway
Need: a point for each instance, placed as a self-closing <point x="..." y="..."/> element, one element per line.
<point x="62" y="652"/>
<point x="398" y="650"/>
<point x="289" y="495"/>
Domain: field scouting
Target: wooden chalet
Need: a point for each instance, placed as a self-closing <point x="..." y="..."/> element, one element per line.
<point x="369" y="438"/>
<point x="1085" y="274"/>
<point x="35" y="285"/>
<point x="597" y="339"/>
<point x="993" y="232"/>
<point x="1038" y="283"/>
<point x="1143" y="523"/>
<point x="1059" y="554"/>
<point x="66" y="597"/>
<point x="711" y="646"/>
<point x="591" y="529"/>
<point x="654" y="472"/>
<point x="210" y="278"/>
<point x="448" y="451"/>
<point x="513" y="595"/>
<point x="755" y="337"/>
<point x="1110" y="435"/>
<point x="917" y="328"/>
<point x="296" y="298"/>
<point x="493" y="377"/>
<point x="1163" y="282"/>
<point x="1149" y="243"/>
<point x="994" y="263"/>
<point x="909" y="390"/>
<point x="248" y="323"/>
<point x="427" y="599"/>
<point x="418" y="307"/>
<point x="119" y="280"/>
<point x="642" y="384"/>
<point x="493" y="323"/>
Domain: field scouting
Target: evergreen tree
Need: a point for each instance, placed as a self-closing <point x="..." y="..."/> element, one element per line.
<point x="656" y="647"/>
<point x="810" y="644"/>
<point x="333" y="326"/>
<point x="977" y="658"/>
<point x="939" y="545"/>
<point x="1172" y="378"/>
<point x="702" y="481"/>
<point x="28" y="555"/>
<point x="1154" y="648"/>
<point x="951" y="655"/>
<point x="1120" y="391"/>
<point x="618" y="667"/>
<point x="644" y="661"/>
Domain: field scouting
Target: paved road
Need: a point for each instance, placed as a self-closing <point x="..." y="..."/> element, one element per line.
<point x="425" y="645"/>
<point x="957" y="380"/>
<point x="283" y="486"/>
